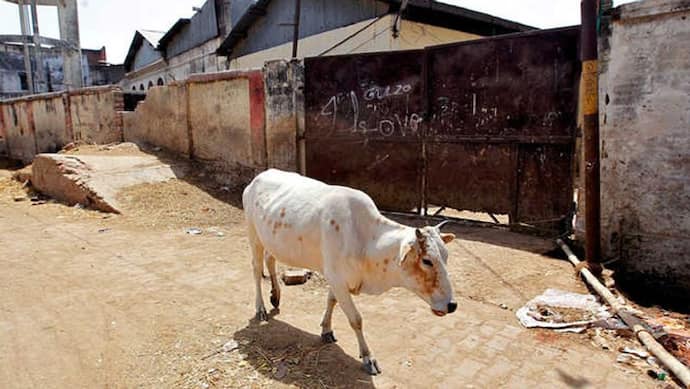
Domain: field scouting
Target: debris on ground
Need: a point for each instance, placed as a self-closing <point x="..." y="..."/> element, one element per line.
<point x="296" y="277"/>
<point x="566" y="312"/>
<point x="193" y="231"/>
<point x="672" y="332"/>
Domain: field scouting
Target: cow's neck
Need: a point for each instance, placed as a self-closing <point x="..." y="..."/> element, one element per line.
<point x="382" y="268"/>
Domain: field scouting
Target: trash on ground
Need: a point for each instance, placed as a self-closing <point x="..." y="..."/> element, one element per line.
<point x="230" y="346"/>
<point x="193" y="231"/>
<point x="640" y="353"/>
<point x="102" y="230"/>
<point x="296" y="277"/>
<point x="215" y="231"/>
<point x="566" y="312"/>
<point x="20" y="198"/>
<point x="658" y="375"/>
<point x="280" y="371"/>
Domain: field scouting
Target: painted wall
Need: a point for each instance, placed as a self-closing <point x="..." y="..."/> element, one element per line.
<point x="160" y="120"/>
<point x="645" y="143"/>
<point x="317" y="16"/>
<point x="219" y="119"/>
<point x="45" y="123"/>
<point x="284" y="113"/>
<point x="50" y="124"/>
<point x="96" y="116"/>
<point x="374" y="35"/>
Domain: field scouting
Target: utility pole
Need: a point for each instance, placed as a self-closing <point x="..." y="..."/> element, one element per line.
<point x="38" y="62"/>
<point x="590" y="111"/>
<point x="295" y="36"/>
<point x="24" y="21"/>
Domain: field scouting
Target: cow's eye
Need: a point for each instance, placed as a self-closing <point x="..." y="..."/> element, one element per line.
<point x="427" y="262"/>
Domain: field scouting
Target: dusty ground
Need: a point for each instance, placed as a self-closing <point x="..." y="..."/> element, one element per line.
<point x="95" y="300"/>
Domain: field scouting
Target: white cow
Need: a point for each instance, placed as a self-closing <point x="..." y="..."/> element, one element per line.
<point x="340" y="233"/>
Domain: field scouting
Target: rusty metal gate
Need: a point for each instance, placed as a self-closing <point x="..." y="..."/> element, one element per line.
<point x="486" y="125"/>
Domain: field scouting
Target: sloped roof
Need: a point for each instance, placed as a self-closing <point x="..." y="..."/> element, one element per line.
<point x="425" y="11"/>
<point x="152" y="36"/>
<point x="141" y="36"/>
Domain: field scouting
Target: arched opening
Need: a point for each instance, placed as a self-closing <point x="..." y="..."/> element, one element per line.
<point x="141" y="87"/>
<point x="160" y="81"/>
<point x="134" y="88"/>
<point x="150" y="84"/>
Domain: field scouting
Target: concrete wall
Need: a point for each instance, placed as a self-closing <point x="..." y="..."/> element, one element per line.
<point x="50" y="124"/>
<point x="45" y="123"/>
<point x="284" y="113"/>
<point x="160" y="120"/>
<point x="96" y="116"/>
<point x="230" y="121"/>
<point x="645" y="143"/>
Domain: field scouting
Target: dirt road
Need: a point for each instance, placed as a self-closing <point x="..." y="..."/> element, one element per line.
<point x="93" y="300"/>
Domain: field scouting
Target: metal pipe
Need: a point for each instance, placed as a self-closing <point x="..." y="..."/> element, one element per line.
<point x="637" y="325"/>
<point x="295" y="36"/>
<point x="590" y="110"/>
<point x="27" y="55"/>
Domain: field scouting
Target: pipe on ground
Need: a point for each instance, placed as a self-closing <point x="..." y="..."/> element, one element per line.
<point x="674" y="365"/>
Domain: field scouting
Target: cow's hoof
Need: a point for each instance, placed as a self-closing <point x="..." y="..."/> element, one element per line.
<point x="328" y="337"/>
<point x="261" y="315"/>
<point x="275" y="301"/>
<point x="371" y="366"/>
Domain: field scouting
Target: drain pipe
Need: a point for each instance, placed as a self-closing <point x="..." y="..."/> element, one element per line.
<point x="667" y="359"/>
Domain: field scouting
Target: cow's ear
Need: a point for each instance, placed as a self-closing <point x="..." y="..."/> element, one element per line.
<point x="447" y="238"/>
<point x="405" y="248"/>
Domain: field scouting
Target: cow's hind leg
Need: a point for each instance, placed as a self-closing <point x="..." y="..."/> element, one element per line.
<point x="275" y="286"/>
<point x="342" y="294"/>
<point x="258" y="267"/>
<point x="326" y="329"/>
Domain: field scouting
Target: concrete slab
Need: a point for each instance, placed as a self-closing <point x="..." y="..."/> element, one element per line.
<point x="95" y="180"/>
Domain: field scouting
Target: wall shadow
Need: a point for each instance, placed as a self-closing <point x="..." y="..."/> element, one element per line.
<point x="497" y="236"/>
<point x="291" y="356"/>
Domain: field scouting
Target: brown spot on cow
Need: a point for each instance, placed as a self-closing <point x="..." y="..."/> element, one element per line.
<point x="332" y="222"/>
<point x="299" y="238"/>
<point x="337" y="227"/>
<point x="385" y="261"/>
<point x="282" y="213"/>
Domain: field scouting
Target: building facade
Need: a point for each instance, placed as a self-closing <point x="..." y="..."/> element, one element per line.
<point x="241" y="34"/>
<point x="14" y="81"/>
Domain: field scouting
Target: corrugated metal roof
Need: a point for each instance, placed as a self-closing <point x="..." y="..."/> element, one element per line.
<point x="425" y="11"/>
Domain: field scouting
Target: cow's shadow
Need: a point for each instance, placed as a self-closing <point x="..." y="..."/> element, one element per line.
<point x="291" y="356"/>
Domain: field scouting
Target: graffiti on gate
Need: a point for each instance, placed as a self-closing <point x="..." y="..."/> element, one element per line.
<point x="372" y="110"/>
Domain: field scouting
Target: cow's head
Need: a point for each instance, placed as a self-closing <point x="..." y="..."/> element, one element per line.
<point x="423" y="259"/>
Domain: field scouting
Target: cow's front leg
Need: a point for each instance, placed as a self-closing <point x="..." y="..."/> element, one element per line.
<point x="348" y="306"/>
<point x="326" y="328"/>
<point x="258" y="267"/>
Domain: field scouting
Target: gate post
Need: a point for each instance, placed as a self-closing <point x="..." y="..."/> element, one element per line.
<point x="590" y="110"/>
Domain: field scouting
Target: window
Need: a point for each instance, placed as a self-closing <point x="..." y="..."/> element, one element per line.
<point x="150" y="84"/>
<point x="134" y="88"/>
<point x="160" y="81"/>
<point x="24" y="84"/>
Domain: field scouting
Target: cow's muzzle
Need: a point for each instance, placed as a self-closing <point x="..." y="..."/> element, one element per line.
<point x="452" y="306"/>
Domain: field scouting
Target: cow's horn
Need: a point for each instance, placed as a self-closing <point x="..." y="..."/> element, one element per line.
<point x="441" y="224"/>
